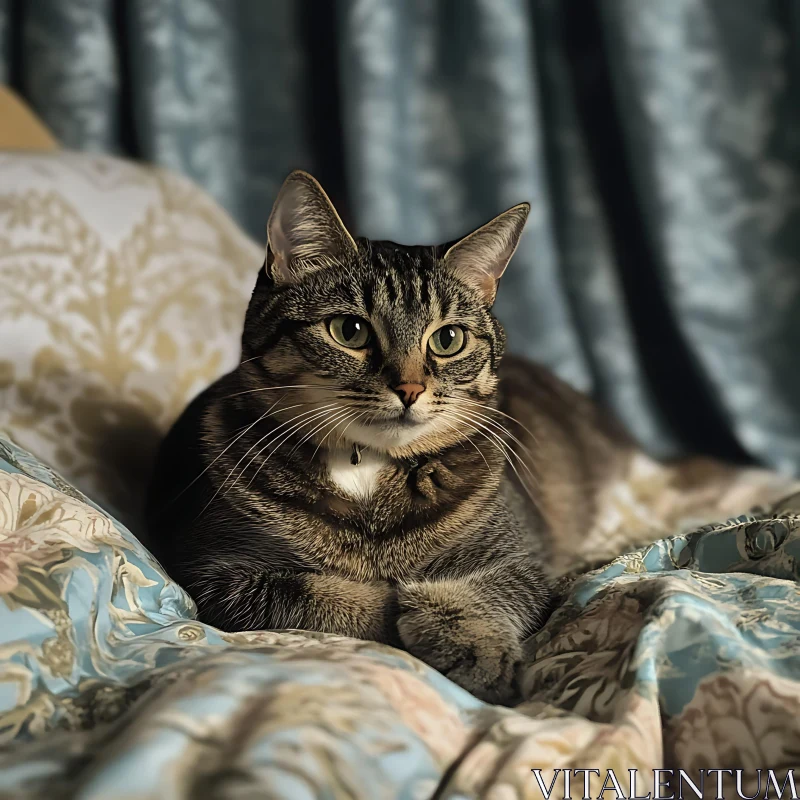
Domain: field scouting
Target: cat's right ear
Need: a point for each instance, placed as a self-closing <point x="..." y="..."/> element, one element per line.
<point x="304" y="232"/>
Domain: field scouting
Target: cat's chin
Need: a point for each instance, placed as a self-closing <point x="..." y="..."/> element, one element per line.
<point x="391" y="435"/>
<point x="402" y="437"/>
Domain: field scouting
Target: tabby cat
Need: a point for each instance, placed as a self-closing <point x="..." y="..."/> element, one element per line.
<point x="375" y="466"/>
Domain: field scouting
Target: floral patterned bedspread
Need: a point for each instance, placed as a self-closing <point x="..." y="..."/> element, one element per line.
<point x="684" y="654"/>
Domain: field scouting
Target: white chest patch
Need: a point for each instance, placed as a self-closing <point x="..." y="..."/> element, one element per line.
<point x="358" y="481"/>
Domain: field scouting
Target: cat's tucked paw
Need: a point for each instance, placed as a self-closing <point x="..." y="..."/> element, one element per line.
<point x="478" y="652"/>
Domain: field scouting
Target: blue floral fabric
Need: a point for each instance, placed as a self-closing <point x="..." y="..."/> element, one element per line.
<point x="684" y="653"/>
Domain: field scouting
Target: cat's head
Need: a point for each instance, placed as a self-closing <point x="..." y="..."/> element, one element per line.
<point x="375" y="343"/>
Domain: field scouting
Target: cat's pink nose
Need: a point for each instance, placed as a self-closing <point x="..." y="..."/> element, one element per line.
<point x="409" y="392"/>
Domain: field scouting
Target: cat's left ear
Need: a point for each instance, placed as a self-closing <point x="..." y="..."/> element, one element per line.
<point x="481" y="258"/>
<point x="304" y="232"/>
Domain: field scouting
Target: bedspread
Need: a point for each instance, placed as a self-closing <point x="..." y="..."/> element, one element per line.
<point x="684" y="654"/>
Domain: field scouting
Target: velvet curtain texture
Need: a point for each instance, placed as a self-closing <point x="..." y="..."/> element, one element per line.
<point x="658" y="141"/>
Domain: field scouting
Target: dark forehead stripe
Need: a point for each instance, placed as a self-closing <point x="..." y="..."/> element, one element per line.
<point x="411" y="287"/>
<point x="425" y="288"/>
<point x="389" y="283"/>
<point x="368" y="294"/>
<point x="406" y="273"/>
<point x="447" y="301"/>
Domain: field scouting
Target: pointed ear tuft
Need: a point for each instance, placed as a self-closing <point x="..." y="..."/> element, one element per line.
<point x="304" y="232"/>
<point x="481" y="258"/>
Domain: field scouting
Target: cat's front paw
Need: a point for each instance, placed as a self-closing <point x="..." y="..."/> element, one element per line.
<point x="478" y="653"/>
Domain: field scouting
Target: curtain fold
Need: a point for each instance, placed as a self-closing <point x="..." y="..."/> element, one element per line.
<point x="657" y="141"/>
<point x="707" y="96"/>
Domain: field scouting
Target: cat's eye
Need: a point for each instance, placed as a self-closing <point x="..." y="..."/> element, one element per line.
<point x="349" y="331"/>
<point x="447" y="341"/>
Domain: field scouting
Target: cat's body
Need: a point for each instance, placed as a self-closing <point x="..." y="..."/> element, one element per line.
<point x="371" y="468"/>
<point x="317" y="542"/>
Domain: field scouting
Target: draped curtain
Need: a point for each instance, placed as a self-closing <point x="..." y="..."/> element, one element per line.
<point x="658" y="141"/>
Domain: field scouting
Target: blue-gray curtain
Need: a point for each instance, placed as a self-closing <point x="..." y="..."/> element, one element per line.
<point x="658" y="140"/>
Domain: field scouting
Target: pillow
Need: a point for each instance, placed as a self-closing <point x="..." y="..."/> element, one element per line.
<point x="122" y="293"/>
<point x="20" y="129"/>
<point x="73" y="582"/>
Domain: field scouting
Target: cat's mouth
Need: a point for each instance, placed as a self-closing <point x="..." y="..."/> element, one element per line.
<point x="402" y="421"/>
<point x="391" y="430"/>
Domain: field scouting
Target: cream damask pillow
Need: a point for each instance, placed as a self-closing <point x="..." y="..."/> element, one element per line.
<point x="122" y="294"/>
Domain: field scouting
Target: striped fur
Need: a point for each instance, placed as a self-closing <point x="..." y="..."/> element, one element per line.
<point x="437" y="545"/>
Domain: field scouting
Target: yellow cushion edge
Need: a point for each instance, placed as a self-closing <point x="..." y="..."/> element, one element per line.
<point x="20" y="128"/>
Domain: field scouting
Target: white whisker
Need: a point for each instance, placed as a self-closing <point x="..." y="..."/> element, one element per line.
<point x="275" y="449"/>
<point x="271" y="434"/>
<point x="477" y="449"/>
<point x="322" y="386"/>
<point x="233" y="442"/>
<point x="268" y="435"/>
<point x="501" y="413"/>
<point x="357" y="417"/>
<point x="349" y="415"/>
<point x="502" y="429"/>
<point x="504" y="449"/>
<point x="338" y="412"/>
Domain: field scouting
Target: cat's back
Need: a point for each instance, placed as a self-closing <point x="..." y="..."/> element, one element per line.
<point x="558" y="413"/>
<point x="568" y="449"/>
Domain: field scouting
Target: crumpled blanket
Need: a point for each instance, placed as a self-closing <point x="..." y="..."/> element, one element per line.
<point x="682" y="654"/>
